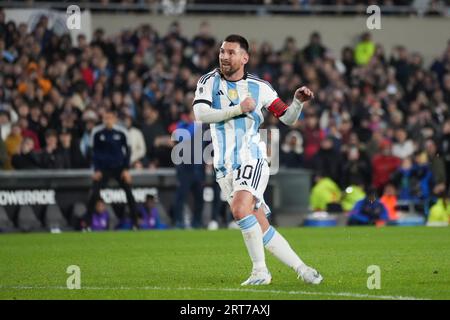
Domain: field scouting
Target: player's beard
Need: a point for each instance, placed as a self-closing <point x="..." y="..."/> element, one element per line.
<point x="228" y="70"/>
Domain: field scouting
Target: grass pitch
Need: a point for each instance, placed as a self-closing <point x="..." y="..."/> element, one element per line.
<point x="414" y="264"/>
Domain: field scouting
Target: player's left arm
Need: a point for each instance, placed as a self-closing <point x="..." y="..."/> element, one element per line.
<point x="288" y="114"/>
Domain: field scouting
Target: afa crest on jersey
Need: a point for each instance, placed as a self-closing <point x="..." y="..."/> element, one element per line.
<point x="232" y="94"/>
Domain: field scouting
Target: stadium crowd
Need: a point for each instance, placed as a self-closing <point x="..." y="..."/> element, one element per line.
<point x="379" y="119"/>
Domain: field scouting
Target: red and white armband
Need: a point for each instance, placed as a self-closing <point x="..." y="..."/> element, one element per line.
<point x="277" y="107"/>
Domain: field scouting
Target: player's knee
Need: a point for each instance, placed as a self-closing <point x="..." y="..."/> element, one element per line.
<point x="240" y="210"/>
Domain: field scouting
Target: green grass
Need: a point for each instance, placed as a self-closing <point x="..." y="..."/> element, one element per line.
<point x="414" y="262"/>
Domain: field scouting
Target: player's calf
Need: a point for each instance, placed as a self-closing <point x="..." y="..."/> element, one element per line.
<point x="252" y="233"/>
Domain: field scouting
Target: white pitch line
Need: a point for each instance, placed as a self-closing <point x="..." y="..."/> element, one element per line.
<point x="311" y="293"/>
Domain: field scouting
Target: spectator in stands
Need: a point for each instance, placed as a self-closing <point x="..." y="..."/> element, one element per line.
<point x="111" y="159"/>
<point x="373" y="146"/>
<point x="327" y="160"/>
<point x="347" y="59"/>
<point x="314" y="50"/>
<point x="426" y="179"/>
<point x="402" y="147"/>
<point x="49" y="157"/>
<point x="312" y="137"/>
<point x="34" y="122"/>
<point x="204" y="42"/>
<point x="368" y="211"/>
<point x="149" y="215"/>
<point x="289" y="52"/>
<point x="406" y="180"/>
<point x="136" y="141"/>
<point x="414" y="181"/>
<point x="367" y="125"/>
<point x="399" y="60"/>
<point x="389" y="200"/>
<point x="27" y="158"/>
<point x="345" y="130"/>
<point x="5" y="124"/>
<point x="356" y="169"/>
<point x="69" y="152"/>
<point x="26" y="132"/>
<point x="437" y="166"/>
<point x="292" y="150"/>
<point x="156" y="136"/>
<point x="99" y="220"/>
<point x="89" y="119"/>
<point x="324" y="193"/>
<point x="12" y="143"/>
<point x="440" y="211"/>
<point x="383" y="165"/>
<point x="365" y="49"/>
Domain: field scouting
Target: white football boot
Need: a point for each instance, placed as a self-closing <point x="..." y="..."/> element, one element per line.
<point x="258" y="277"/>
<point x="309" y="275"/>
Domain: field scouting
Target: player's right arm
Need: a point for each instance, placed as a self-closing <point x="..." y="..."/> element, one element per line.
<point x="204" y="112"/>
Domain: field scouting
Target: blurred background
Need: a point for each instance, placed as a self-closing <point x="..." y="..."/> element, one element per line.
<point x="372" y="148"/>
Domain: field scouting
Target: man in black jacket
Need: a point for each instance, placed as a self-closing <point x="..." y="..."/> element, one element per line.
<point x="27" y="158"/>
<point x="111" y="159"/>
<point x="49" y="158"/>
<point x="69" y="151"/>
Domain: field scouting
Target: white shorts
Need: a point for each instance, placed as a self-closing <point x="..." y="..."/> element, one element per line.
<point x="252" y="176"/>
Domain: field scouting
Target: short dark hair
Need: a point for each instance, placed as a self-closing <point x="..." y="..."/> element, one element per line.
<point x="51" y="132"/>
<point x="5" y="113"/>
<point x="243" y="43"/>
<point x="112" y="111"/>
<point x="372" y="192"/>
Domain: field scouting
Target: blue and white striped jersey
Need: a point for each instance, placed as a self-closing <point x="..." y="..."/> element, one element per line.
<point x="236" y="140"/>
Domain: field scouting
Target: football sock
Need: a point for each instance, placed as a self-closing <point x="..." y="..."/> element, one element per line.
<point x="276" y="244"/>
<point x="252" y="233"/>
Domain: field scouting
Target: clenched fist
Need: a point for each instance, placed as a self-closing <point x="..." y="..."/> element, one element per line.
<point x="304" y="94"/>
<point x="248" y="105"/>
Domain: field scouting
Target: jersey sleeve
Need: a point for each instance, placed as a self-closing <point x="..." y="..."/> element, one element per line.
<point x="272" y="102"/>
<point x="203" y="93"/>
<point x="267" y="95"/>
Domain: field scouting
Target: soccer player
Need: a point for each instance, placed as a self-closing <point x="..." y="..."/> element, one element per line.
<point x="230" y="100"/>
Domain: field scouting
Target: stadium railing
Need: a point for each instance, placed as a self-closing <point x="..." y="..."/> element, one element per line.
<point x="242" y="8"/>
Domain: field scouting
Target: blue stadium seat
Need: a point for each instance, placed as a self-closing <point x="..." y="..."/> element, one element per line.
<point x="320" y="219"/>
<point x="409" y="220"/>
